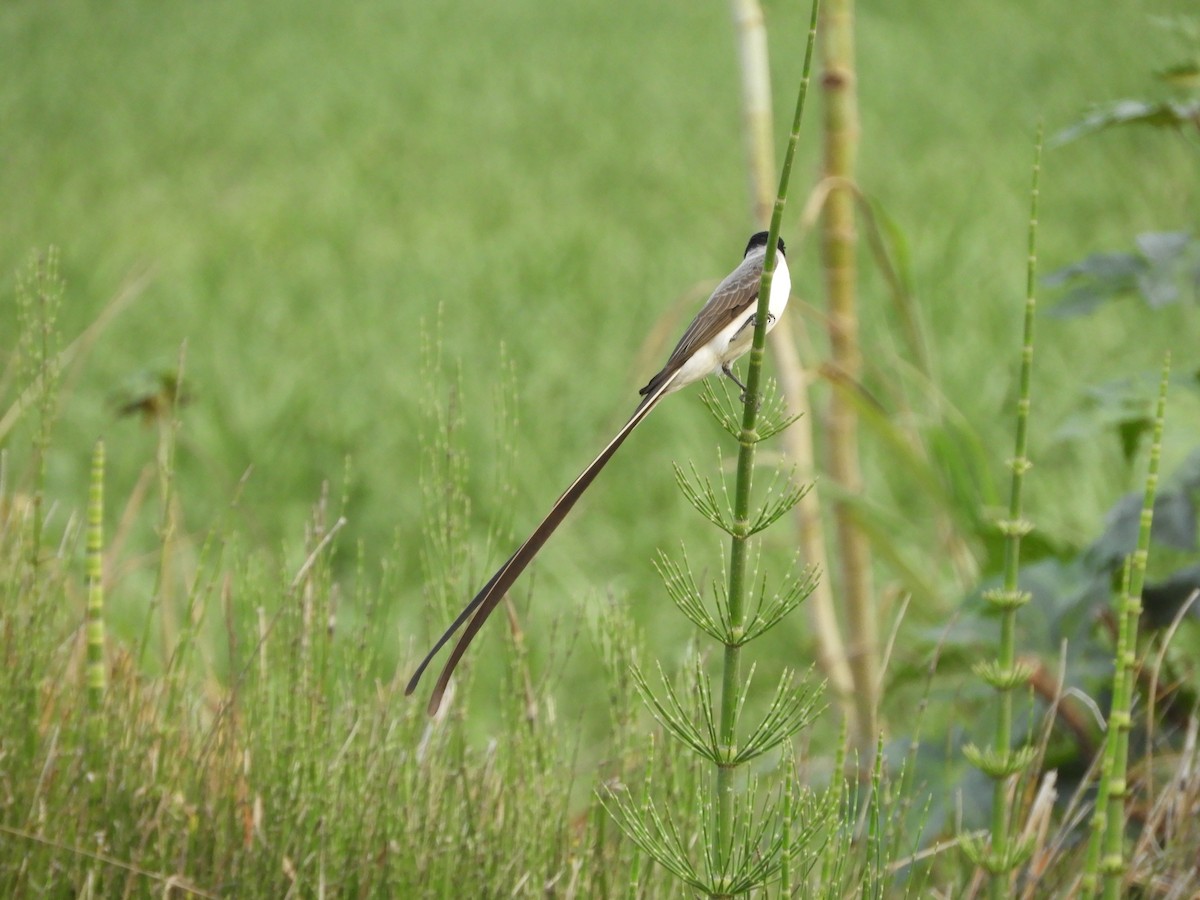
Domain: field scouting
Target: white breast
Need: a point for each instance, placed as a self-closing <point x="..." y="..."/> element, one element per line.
<point x="736" y="338"/>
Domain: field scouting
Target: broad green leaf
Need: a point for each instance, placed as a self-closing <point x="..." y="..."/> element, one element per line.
<point x="1161" y="114"/>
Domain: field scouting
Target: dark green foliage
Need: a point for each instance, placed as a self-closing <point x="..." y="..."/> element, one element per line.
<point x="1164" y="269"/>
<point x="1158" y="114"/>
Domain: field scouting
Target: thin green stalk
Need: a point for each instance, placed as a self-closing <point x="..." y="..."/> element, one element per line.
<point x="735" y="601"/>
<point x="832" y="861"/>
<point x="1090" y="881"/>
<point x="635" y="865"/>
<point x="793" y="380"/>
<point x="788" y="805"/>
<point x="1121" y="720"/>
<point x="95" y="582"/>
<point x="876" y="866"/>
<point x="1001" y="763"/>
<point x="1015" y="527"/>
<point x="1108" y="825"/>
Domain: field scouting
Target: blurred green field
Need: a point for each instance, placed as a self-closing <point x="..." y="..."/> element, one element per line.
<point x="315" y="186"/>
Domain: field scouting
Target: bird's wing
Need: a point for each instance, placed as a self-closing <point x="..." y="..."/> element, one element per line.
<point x="733" y="296"/>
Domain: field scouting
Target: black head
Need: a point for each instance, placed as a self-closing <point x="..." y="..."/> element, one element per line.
<point x="760" y="240"/>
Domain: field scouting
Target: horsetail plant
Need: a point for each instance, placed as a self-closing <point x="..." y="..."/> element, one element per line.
<point x="95" y="676"/>
<point x="742" y="847"/>
<point x="999" y="855"/>
<point x="1105" y="856"/>
<point x="94" y="578"/>
<point x="39" y="296"/>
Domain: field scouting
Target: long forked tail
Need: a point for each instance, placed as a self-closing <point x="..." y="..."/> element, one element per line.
<point x="478" y="610"/>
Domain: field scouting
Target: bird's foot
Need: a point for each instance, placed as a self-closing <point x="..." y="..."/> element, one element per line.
<point x="729" y="374"/>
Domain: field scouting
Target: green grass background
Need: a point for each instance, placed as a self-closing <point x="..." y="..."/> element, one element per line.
<point x="316" y="186"/>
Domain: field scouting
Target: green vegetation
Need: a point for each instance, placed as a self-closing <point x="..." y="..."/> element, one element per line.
<point x="343" y="296"/>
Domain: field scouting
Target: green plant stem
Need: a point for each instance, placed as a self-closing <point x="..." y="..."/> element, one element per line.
<point x="1120" y="721"/>
<point x="789" y="791"/>
<point x="95" y="582"/>
<point x="794" y="382"/>
<point x="1005" y="674"/>
<point x="731" y="675"/>
<point x="1015" y="528"/>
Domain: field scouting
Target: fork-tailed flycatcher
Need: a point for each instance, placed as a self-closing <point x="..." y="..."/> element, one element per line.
<point x="721" y="332"/>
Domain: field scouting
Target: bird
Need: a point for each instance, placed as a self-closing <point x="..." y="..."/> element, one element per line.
<point x="721" y="332"/>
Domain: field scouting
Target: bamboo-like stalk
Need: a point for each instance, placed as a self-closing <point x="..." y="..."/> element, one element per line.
<point x="793" y="380"/>
<point x="751" y="33"/>
<point x="838" y="246"/>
